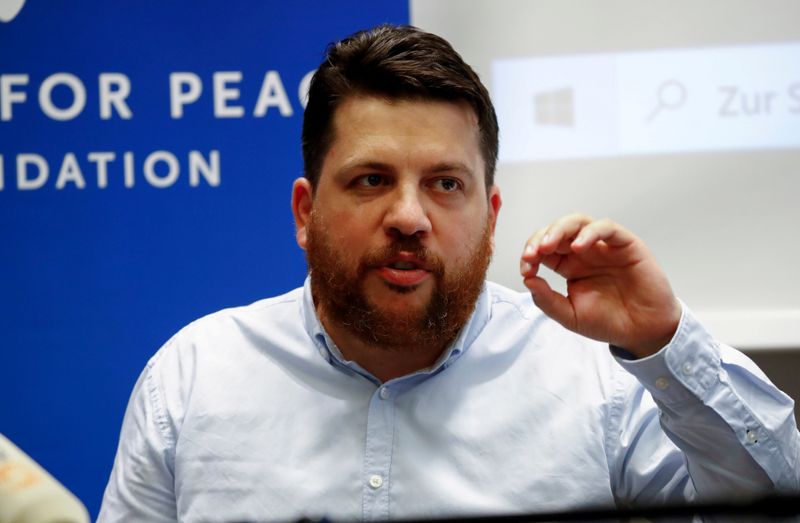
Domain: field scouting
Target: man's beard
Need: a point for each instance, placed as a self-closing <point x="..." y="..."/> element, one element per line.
<point x="338" y="288"/>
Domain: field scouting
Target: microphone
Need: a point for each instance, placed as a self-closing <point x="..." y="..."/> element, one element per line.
<point x="28" y="494"/>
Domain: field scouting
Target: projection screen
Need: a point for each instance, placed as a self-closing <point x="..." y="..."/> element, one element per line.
<point x="679" y="119"/>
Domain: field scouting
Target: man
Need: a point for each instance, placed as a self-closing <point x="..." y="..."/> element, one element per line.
<point x="397" y="383"/>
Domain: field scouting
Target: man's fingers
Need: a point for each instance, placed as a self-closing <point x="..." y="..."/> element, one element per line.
<point x="561" y="232"/>
<point x="527" y="269"/>
<point x="552" y="261"/>
<point x="555" y="238"/>
<point x="531" y="251"/>
<point x="605" y="230"/>
<point x="551" y="302"/>
<point x="574" y="233"/>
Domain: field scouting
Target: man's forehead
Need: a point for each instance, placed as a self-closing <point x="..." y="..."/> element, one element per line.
<point x="363" y="118"/>
<point x="398" y="101"/>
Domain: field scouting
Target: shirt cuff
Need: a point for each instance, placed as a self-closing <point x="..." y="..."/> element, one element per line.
<point x="685" y="368"/>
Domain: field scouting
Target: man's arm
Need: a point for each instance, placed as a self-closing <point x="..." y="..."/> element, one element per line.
<point x="141" y="487"/>
<point x="736" y="430"/>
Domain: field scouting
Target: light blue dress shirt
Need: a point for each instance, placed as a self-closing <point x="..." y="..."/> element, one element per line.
<point x="252" y="414"/>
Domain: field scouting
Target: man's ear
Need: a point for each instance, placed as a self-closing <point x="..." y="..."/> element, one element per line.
<point x="302" y="200"/>
<point x="495" y="202"/>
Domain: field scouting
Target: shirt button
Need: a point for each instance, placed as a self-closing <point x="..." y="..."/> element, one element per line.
<point x="384" y="393"/>
<point x="687" y="368"/>
<point x="662" y="383"/>
<point x="375" y="481"/>
<point x="751" y="436"/>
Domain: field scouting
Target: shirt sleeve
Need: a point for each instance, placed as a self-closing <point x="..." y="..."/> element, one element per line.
<point x="141" y="487"/>
<point x="734" y="431"/>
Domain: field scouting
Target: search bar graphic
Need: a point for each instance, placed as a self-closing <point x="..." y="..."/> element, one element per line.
<point x="670" y="95"/>
<point x="649" y="102"/>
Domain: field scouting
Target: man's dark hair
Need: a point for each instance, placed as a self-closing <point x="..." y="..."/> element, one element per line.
<point x="396" y="62"/>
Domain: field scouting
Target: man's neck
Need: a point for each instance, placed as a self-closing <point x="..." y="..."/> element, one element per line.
<point x="385" y="363"/>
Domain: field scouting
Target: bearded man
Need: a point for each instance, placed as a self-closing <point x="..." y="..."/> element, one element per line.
<point x="398" y="383"/>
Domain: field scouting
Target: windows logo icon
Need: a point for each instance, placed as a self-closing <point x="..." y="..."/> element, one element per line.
<point x="554" y="108"/>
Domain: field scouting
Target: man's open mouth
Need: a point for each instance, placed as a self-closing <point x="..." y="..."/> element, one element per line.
<point x="404" y="271"/>
<point x="404" y="265"/>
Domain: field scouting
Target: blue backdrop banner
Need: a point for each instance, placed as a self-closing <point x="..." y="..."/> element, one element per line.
<point x="147" y="151"/>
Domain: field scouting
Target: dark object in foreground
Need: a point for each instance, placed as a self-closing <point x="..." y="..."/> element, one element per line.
<point x="769" y="508"/>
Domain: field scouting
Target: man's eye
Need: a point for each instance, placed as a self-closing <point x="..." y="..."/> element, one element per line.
<point x="447" y="184"/>
<point x="370" y="180"/>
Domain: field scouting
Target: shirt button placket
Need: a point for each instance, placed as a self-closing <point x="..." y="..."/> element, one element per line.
<point x="378" y="455"/>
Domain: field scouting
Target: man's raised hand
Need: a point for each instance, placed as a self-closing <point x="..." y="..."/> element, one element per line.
<point x="616" y="292"/>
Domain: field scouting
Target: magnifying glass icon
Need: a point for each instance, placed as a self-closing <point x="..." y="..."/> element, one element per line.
<point x="671" y="95"/>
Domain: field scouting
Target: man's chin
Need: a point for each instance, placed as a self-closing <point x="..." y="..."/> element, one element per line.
<point x="389" y="296"/>
<point x="402" y="289"/>
<point x="405" y="311"/>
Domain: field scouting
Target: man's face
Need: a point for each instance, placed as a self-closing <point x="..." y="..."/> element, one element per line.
<point x="399" y="231"/>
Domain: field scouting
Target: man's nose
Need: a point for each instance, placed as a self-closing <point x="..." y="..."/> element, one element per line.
<point x="407" y="215"/>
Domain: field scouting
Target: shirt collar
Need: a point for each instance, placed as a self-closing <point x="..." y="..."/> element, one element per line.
<point x="331" y="353"/>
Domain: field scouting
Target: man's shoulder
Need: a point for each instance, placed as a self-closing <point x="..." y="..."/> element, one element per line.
<point x="236" y="329"/>
<point x="261" y="310"/>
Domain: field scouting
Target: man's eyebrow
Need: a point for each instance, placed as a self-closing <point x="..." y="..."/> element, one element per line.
<point x="365" y="164"/>
<point x="439" y="168"/>
<point x="446" y="167"/>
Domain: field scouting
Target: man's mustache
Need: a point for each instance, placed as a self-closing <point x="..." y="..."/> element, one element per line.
<point x="404" y="245"/>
